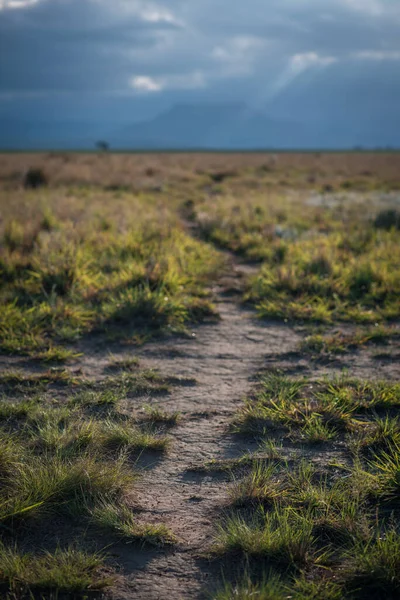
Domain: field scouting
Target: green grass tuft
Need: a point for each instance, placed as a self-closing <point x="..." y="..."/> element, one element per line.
<point x="67" y="571"/>
<point x="120" y="520"/>
<point x="281" y="537"/>
<point x="373" y="569"/>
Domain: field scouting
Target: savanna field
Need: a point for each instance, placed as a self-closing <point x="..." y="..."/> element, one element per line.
<point x="200" y="391"/>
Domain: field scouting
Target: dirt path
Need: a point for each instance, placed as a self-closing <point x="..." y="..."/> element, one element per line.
<point x="223" y="358"/>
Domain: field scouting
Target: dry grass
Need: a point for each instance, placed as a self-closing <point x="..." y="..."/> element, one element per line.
<point x="149" y="171"/>
<point x="79" y="262"/>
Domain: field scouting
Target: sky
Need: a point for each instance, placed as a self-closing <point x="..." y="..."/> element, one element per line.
<point x="84" y="59"/>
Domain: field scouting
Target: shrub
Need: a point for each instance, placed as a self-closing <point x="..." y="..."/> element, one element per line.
<point x="387" y="219"/>
<point x="35" y="178"/>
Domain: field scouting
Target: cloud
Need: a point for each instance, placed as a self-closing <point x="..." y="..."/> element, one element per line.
<point x="377" y="55"/>
<point x="301" y="62"/>
<point x="157" y="15"/>
<point x="214" y="47"/>
<point x="187" y="81"/>
<point x="79" y="45"/>
<point x="10" y="4"/>
<point x="235" y="57"/>
<point x="298" y="64"/>
<point x="238" y="55"/>
<point x="143" y="83"/>
<point x="372" y="7"/>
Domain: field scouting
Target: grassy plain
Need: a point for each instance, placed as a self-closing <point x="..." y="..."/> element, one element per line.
<point x="318" y="529"/>
<point x="125" y="249"/>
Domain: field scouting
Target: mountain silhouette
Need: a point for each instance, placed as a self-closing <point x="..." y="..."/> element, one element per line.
<point x="214" y="126"/>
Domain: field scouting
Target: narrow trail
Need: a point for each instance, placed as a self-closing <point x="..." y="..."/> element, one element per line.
<point x="223" y="357"/>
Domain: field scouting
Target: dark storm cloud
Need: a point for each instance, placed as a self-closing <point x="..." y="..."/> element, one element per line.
<point x="75" y="44"/>
<point x="129" y="46"/>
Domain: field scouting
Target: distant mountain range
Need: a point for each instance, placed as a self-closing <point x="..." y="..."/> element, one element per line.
<point x="210" y="126"/>
<point x="195" y="126"/>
